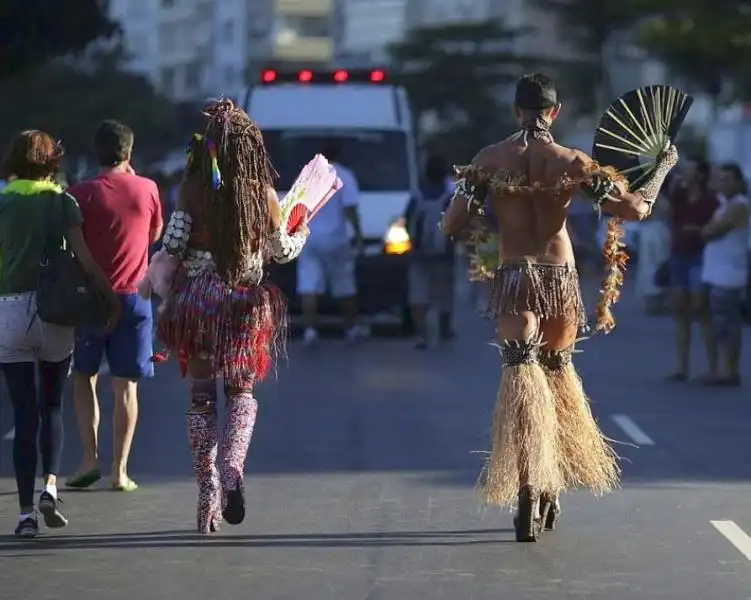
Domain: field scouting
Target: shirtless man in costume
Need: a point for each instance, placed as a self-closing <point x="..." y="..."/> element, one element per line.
<point x="545" y="439"/>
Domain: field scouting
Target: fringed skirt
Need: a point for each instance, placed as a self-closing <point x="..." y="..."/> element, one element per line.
<point x="241" y="330"/>
<point x="549" y="291"/>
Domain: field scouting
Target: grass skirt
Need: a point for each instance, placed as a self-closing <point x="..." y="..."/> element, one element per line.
<point x="242" y="330"/>
<point x="524" y="436"/>
<point x="544" y="435"/>
<point x="587" y="460"/>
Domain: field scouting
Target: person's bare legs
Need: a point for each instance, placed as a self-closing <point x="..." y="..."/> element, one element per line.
<point x="420" y="322"/>
<point x="124" y="427"/>
<point x="86" y="405"/>
<point x="349" y="311"/>
<point x="682" y="319"/>
<point x="733" y="357"/>
<point x="309" y="310"/>
<point x="703" y="309"/>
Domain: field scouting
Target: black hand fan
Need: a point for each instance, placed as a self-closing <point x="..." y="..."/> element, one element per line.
<point x="636" y="127"/>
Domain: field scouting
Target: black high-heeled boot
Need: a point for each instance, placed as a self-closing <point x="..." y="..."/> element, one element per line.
<point x="527" y="523"/>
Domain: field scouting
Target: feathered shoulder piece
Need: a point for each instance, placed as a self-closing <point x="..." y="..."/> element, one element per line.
<point x="501" y="182"/>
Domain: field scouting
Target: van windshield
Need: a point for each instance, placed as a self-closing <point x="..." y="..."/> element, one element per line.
<point x="377" y="158"/>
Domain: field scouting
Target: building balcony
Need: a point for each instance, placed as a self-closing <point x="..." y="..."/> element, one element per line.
<point x="303" y="49"/>
<point x="304" y="8"/>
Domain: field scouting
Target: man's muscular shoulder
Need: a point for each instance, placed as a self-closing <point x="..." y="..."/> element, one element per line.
<point x="490" y="157"/>
<point x="568" y="156"/>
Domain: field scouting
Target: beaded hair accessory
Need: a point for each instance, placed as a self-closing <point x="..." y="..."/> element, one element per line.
<point x="216" y="175"/>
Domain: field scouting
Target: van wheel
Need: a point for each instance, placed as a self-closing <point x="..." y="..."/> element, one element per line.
<point x="407" y="326"/>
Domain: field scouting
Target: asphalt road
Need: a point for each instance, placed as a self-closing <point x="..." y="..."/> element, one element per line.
<point x="360" y="487"/>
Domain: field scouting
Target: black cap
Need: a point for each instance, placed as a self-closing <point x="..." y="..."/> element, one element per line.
<point x="535" y="92"/>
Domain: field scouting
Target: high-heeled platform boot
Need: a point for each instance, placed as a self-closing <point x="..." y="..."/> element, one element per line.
<point x="527" y="522"/>
<point x="550" y="510"/>
<point x="242" y="409"/>
<point x="203" y="435"/>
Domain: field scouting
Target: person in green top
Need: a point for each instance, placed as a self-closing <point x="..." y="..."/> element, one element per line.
<point x="30" y="165"/>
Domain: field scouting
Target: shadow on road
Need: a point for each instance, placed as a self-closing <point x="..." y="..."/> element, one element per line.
<point x="183" y="539"/>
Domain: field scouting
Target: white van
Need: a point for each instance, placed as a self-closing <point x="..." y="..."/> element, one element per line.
<point x="371" y="120"/>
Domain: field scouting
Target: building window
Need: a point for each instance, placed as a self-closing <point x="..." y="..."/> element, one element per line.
<point x="193" y="76"/>
<point x="228" y="32"/>
<point x="230" y="76"/>
<point x="168" y="80"/>
<point x="167" y="39"/>
<point x="293" y="26"/>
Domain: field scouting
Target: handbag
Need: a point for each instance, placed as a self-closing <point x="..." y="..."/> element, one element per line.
<point x="65" y="296"/>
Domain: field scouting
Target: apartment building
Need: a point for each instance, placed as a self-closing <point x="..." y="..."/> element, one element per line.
<point x="371" y="25"/>
<point x="191" y="49"/>
<point x="173" y="42"/>
<point x="368" y="28"/>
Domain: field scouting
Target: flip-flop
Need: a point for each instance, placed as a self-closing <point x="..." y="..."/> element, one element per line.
<point x="84" y="480"/>
<point x="128" y="486"/>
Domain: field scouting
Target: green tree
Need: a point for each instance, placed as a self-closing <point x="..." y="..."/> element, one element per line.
<point x="590" y="27"/>
<point x="457" y="73"/>
<point x="35" y="31"/>
<point x="705" y="44"/>
<point x="69" y="101"/>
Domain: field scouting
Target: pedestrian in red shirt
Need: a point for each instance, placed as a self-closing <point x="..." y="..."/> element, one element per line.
<point x="692" y="205"/>
<point x="122" y="218"/>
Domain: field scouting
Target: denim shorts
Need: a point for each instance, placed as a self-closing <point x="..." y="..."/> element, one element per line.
<point x="685" y="272"/>
<point x="128" y="348"/>
<point x="726" y="310"/>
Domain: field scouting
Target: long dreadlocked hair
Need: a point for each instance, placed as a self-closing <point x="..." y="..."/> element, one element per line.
<point x="236" y="207"/>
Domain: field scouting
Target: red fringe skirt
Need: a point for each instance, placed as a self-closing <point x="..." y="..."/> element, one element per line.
<point x="242" y="330"/>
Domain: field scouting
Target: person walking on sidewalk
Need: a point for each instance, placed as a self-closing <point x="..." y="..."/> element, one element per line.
<point x="122" y="219"/>
<point x="35" y="356"/>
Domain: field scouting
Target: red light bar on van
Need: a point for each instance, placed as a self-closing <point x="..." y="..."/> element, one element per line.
<point x="271" y="76"/>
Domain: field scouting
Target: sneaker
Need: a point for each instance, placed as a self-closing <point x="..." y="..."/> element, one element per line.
<point x="53" y="518"/>
<point x="310" y="336"/>
<point x="28" y="528"/>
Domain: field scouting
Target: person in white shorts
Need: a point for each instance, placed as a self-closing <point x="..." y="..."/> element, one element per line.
<point x="35" y="357"/>
<point x="327" y="263"/>
<point x="725" y="274"/>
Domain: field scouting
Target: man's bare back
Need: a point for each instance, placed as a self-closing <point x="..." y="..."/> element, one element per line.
<point x="532" y="226"/>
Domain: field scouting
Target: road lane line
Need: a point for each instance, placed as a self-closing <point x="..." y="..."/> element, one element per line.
<point x="632" y="430"/>
<point x="11" y="435"/>
<point x="735" y="535"/>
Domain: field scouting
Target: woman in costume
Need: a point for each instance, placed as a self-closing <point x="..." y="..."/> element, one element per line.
<point x="221" y="319"/>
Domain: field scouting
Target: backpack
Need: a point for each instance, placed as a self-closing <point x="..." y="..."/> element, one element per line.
<point x="429" y="240"/>
<point x="65" y="296"/>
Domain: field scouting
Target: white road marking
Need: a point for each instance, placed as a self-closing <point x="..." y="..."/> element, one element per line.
<point x="735" y="535"/>
<point x="632" y="430"/>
